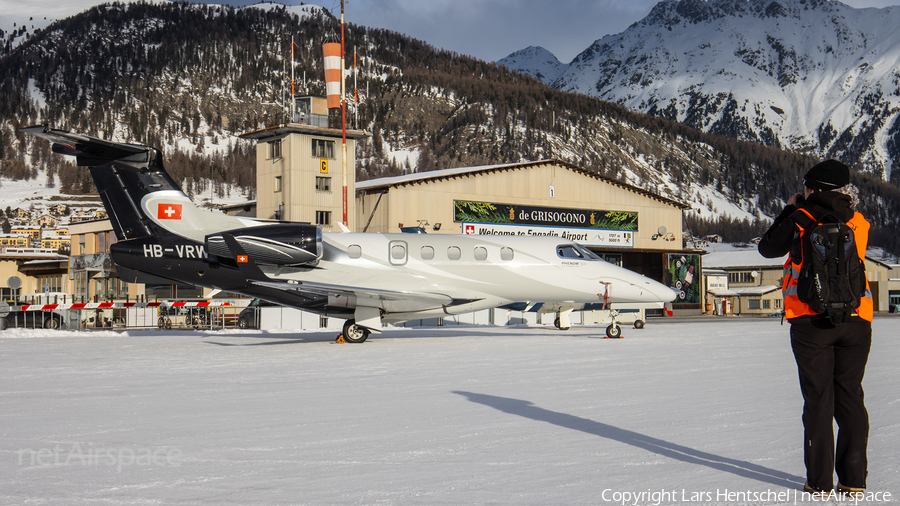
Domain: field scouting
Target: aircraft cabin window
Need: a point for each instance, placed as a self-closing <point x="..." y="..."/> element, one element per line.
<point x="398" y="252"/>
<point x="480" y="253"/>
<point x="427" y="253"/>
<point x="453" y="253"/>
<point x="354" y="251"/>
<point x="506" y="254"/>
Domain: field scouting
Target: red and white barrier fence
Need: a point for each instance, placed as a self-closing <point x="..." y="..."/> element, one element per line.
<point x="106" y="305"/>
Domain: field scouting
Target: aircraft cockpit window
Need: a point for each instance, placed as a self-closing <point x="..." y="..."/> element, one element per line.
<point x="588" y="254"/>
<point x="427" y="253"/>
<point x="568" y="251"/>
<point x="506" y="254"/>
<point x="453" y="253"/>
<point x="480" y="253"/>
<point x="354" y="251"/>
<point x="576" y="251"/>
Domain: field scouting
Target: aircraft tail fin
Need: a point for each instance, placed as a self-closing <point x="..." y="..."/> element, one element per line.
<point x="125" y="175"/>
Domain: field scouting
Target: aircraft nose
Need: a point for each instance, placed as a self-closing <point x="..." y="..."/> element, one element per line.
<point x="662" y="291"/>
<point x="642" y="290"/>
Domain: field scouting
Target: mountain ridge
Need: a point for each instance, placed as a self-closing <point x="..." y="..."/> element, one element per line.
<point x="806" y="75"/>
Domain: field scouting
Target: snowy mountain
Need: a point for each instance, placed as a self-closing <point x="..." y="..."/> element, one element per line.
<point x="536" y="62"/>
<point x="808" y="75"/>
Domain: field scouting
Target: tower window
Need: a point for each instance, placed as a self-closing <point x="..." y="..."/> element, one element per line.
<point x="322" y="148"/>
<point x="275" y="149"/>
<point x="323" y="217"/>
<point x="323" y="184"/>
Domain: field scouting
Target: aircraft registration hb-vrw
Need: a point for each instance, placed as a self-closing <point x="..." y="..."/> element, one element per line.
<point x="368" y="279"/>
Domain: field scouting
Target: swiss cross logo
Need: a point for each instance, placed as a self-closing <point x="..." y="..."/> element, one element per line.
<point x="168" y="211"/>
<point x="242" y="259"/>
<point x="470" y="229"/>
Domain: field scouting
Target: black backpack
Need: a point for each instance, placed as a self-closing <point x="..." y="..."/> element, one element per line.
<point x="832" y="276"/>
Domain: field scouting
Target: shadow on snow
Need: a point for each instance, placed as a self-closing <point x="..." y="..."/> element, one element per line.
<point x="636" y="439"/>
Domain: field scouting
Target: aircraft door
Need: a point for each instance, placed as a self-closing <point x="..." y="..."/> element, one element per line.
<point x="398" y="252"/>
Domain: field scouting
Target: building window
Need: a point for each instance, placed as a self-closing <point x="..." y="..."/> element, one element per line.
<point x="740" y="277"/>
<point x="767" y="303"/>
<point x="323" y="217"/>
<point x="777" y="303"/>
<point x="323" y="184"/>
<point x="753" y="304"/>
<point x="275" y="149"/>
<point x="322" y="148"/>
<point x="277" y="183"/>
<point x="50" y="283"/>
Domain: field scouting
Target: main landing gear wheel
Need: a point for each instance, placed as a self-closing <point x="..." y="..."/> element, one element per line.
<point x="556" y="323"/>
<point x="639" y="324"/>
<point x="353" y="333"/>
<point x="614" y="332"/>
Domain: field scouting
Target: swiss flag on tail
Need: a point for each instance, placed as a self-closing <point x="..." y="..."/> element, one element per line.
<point x="169" y="211"/>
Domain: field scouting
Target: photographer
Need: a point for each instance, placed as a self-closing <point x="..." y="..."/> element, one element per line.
<point x="831" y="353"/>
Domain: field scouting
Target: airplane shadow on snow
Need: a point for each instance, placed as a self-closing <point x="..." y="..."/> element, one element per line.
<point x="636" y="439"/>
<point x="390" y="334"/>
<point x="257" y="339"/>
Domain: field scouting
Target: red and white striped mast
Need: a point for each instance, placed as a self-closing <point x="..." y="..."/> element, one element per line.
<point x="343" y="116"/>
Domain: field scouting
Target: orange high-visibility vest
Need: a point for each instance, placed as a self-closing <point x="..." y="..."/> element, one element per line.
<point x="793" y="308"/>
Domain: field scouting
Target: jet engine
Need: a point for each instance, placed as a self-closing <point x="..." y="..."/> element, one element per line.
<point x="283" y="244"/>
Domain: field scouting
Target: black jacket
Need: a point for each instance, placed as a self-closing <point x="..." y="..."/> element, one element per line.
<point x="779" y="239"/>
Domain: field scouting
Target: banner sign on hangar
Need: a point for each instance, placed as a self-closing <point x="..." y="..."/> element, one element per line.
<point x="584" y="226"/>
<point x="586" y="236"/>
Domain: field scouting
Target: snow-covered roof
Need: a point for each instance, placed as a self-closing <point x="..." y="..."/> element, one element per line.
<point x="740" y="258"/>
<point x="722" y="292"/>
<point x="755" y="290"/>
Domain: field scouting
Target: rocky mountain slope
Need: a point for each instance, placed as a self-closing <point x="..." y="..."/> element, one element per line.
<point x="813" y="76"/>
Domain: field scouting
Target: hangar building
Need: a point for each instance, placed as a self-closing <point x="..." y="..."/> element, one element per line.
<point x="625" y="224"/>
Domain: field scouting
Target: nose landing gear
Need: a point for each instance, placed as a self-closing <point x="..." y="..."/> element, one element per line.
<point x="614" y="331"/>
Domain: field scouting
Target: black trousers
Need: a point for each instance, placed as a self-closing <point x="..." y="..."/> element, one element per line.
<point x="832" y="361"/>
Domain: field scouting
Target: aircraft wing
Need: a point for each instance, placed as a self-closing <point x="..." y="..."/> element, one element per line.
<point x="89" y="151"/>
<point x="349" y="296"/>
<point x="339" y="295"/>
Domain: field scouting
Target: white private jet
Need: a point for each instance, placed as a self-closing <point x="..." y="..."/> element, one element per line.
<point x="368" y="279"/>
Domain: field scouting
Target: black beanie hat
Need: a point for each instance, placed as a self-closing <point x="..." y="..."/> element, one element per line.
<point x="828" y="175"/>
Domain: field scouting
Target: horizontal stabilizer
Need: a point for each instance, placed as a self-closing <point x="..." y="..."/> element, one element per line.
<point x="90" y="151"/>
